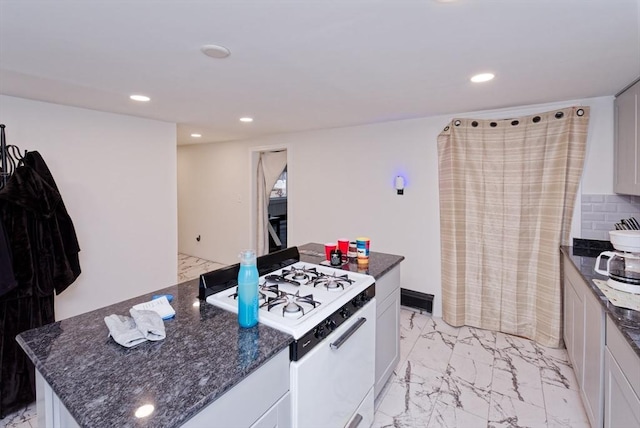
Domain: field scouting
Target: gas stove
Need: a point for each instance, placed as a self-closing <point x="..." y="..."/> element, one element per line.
<point x="331" y="314"/>
<point x="305" y="300"/>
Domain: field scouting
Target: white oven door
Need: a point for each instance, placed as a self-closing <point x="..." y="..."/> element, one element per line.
<point x="332" y="381"/>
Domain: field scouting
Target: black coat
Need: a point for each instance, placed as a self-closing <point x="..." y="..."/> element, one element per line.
<point x="44" y="251"/>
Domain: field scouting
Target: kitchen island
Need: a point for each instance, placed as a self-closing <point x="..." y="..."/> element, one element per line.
<point x="204" y="359"/>
<point x="102" y="384"/>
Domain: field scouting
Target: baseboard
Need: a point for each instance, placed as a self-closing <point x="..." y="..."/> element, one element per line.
<point x="416" y="299"/>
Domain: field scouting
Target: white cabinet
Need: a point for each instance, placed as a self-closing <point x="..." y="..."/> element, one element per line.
<point x="260" y="400"/>
<point x="387" y="326"/>
<point x="622" y="381"/>
<point x="278" y="416"/>
<point x="627" y="149"/>
<point x="584" y="336"/>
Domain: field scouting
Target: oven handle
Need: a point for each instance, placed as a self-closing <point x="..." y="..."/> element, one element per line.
<point x="347" y="334"/>
<point x="355" y="421"/>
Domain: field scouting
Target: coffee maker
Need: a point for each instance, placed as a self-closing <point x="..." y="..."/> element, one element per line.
<point x="623" y="265"/>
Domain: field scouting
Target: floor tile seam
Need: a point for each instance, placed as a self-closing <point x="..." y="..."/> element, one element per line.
<point x="583" y="413"/>
<point x="439" y="388"/>
<point x="421" y="329"/>
<point x="444" y="403"/>
<point x="202" y="261"/>
<point x="491" y="403"/>
<point x="436" y="329"/>
<point x="491" y="391"/>
<point x="198" y="265"/>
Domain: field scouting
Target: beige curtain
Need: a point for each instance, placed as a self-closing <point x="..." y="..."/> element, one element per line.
<point x="507" y="191"/>
<point x="270" y="166"/>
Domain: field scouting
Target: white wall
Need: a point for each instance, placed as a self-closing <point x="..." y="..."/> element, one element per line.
<point x="117" y="177"/>
<point x="341" y="185"/>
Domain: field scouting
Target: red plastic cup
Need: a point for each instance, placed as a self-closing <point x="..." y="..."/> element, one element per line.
<point x="343" y="246"/>
<point x="328" y="248"/>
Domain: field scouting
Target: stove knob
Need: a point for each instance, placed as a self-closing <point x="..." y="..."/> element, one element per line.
<point x="319" y="332"/>
<point x="357" y="302"/>
<point x="345" y="313"/>
<point x="330" y="324"/>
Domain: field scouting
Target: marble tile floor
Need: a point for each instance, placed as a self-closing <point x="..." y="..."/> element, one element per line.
<point x="468" y="377"/>
<point x="189" y="267"/>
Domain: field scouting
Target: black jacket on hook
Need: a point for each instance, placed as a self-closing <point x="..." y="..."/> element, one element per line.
<point x="7" y="278"/>
<point x="44" y="250"/>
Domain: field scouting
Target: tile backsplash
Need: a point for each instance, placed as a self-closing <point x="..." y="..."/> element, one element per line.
<point x="601" y="212"/>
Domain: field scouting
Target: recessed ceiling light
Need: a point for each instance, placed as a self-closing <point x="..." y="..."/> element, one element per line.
<point x="215" y="51"/>
<point x="142" y="98"/>
<point x="482" y="77"/>
<point x="246" y="119"/>
<point x="196" y="135"/>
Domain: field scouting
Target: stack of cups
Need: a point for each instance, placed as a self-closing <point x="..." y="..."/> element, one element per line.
<point x="348" y="251"/>
<point x="343" y="246"/>
<point x="352" y="254"/>
<point x="363" y="244"/>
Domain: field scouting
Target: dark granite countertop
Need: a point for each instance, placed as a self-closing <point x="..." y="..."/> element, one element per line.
<point x="627" y="320"/>
<point x="379" y="263"/>
<point x="102" y="384"/>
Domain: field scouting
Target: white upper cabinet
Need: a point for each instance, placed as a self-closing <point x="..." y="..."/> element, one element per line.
<point x="627" y="150"/>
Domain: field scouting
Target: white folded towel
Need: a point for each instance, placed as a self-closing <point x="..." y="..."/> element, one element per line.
<point x="140" y="327"/>
<point x="149" y="323"/>
<point x="124" y="330"/>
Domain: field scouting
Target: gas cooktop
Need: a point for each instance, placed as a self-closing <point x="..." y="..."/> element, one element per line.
<point x="297" y="298"/>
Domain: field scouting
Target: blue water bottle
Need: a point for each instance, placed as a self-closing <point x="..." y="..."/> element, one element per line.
<point x="248" y="289"/>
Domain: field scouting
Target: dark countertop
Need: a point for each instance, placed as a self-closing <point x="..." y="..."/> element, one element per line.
<point x="379" y="263"/>
<point x="627" y="320"/>
<point x="102" y="384"/>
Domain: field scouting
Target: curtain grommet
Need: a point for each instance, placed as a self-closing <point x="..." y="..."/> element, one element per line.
<point x="580" y="112"/>
<point x="493" y="124"/>
<point x="446" y="128"/>
<point x="457" y="123"/>
<point x="559" y="115"/>
<point x="514" y="122"/>
<point x="474" y="123"/>
<point x="536" y="119"/>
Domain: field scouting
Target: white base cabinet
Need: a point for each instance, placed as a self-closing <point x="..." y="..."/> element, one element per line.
<point x="584" y="337"/>
<point x="387" y="327"/>
<point x="622" y="382"/>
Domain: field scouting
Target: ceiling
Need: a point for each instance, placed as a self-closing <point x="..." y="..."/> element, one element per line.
<point x="310" y="64"/>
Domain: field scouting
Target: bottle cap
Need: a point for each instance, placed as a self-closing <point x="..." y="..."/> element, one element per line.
<point x="247" y="257"/>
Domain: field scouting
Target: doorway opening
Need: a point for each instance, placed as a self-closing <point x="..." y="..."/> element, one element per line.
<point x="270" y="195"/>
<point x="278" y="214"/>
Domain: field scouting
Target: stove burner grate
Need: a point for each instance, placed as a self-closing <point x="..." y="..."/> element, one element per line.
<point x="333" y="282"/>
<point x="301" y="274"/>
<point x="265" y="292"/>
<point x="292" y="304"/>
